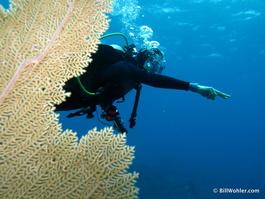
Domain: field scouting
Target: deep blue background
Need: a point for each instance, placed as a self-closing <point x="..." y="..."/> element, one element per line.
<point x="185" y="144"/>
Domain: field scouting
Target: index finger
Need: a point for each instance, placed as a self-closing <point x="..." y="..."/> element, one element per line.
<point x="222" y="95"/>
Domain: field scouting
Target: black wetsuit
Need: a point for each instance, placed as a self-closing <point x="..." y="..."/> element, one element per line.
<point x="117" y="74"/>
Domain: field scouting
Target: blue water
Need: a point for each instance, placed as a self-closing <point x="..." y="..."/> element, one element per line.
<point x="185" y="144"/>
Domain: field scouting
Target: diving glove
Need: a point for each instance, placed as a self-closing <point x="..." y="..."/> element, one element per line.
<point x="208" y="92"/>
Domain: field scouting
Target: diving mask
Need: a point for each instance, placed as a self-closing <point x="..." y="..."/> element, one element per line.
<point x="154" y="65"/>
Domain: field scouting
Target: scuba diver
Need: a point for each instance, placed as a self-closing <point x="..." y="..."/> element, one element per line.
<point x="116" y="70"/>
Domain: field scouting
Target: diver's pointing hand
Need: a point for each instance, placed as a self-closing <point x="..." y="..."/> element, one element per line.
<point x="210" y="92"/>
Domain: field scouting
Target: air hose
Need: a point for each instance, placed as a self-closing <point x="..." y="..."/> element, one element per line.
<point x="116" y="33"/>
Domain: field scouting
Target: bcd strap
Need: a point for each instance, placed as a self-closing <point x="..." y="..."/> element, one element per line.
<point x="135" y="106"/>
<point x="84" y="111"/>
<point x="123" y="99"/>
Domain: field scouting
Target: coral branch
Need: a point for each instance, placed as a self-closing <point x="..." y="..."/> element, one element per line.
<point x="36" y="60"/>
